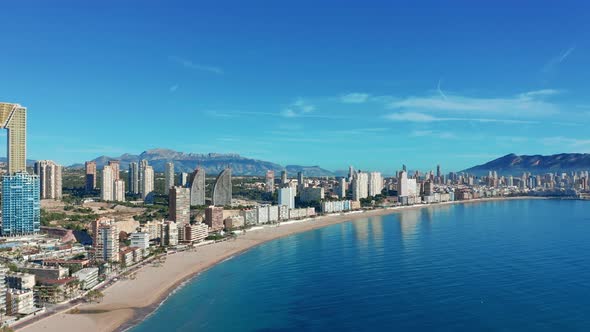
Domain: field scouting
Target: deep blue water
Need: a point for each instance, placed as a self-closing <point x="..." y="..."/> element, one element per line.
<point x="494" y="266"/>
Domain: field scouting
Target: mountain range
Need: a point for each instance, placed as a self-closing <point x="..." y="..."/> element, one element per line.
<point x="512" y="164"/>
<point x="213" y="163"/>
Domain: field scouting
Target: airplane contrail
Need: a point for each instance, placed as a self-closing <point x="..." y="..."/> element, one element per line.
<point x="440" y="91"/>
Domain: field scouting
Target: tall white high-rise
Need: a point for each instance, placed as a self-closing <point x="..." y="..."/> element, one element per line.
<point x="402" y="184"/>
<point x="183" y="179"/>
<point x="133" y="178"/>
<point x="342" y="187"/>
<point x="287" y="197"/>
<point x="375" y="183"/>
<point x="360" y="186"/>
<point x="106" y="190"/>
<point x="119" y="190"/>
<point x="179" y="206"/>
<point x="147" y="182"/>
<point x="142" y="166"/>
<point x="107" y="241"/>
<point x="169" y="177"/>
<point x="50" y="175"/>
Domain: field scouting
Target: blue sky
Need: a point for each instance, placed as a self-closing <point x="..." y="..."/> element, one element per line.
<point x="370" y="83"/>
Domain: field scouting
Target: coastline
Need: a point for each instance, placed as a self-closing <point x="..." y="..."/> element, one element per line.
<point x="129" y="302"/>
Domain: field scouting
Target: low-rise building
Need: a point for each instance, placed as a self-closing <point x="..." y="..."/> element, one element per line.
<point x="140" y="240"/>
<point x="273" y="213"/>
<point x="250" y="216"/>
<point x="169" y="235"/>
<point x="283" y="212"/>
<point x="214" y="218"/>
<point x="336" y="206"/>
<point x="307" y="195"/>
<point x="196" y="232"/>
<point x="56" y="290"/>
<point x="126" y="256"/>
<point x="262" y="214"/>
<point x="19" y="302"/>
<point x="154" y="229"/>
<point x="88" y="277"/>
<point x="233" y="222"/>
<point x="46" y="272"/>
<point x="20" y="281"/>
<point x="3" y="271"/>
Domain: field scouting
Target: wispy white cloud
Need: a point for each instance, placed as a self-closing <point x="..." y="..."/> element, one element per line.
<point x="411" y="117"/>
<point x="196" y="66"/>
<point x="551" y="64"/>
<point x="298" y="108"/>
<point x="568" y="143"/>
<point x="539" y="93"/>
<point x="235" y="113"/>
<point x="289" y="112"/>
<point x="354" y="98"/>
<point x="433" y="133"/>
<point x="512" y="139"/>
<point x="440" y="92"/>
<point x="528" y="103"/>
<point x="422" y="117"/>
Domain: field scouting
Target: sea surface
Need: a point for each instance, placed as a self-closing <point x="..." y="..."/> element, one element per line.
<point x="519" y="265"/>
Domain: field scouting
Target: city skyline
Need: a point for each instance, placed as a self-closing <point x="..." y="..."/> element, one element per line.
<point x="333" y="89"/>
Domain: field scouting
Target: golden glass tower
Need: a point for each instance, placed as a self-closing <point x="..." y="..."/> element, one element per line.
<point x="14" y="118"/>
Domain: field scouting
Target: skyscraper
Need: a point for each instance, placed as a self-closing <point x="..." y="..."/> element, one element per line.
<point x="21" y="211"/>
<point x="222" y="190"/>
<point x="14" y="118"/>
<point x="300" y="181"/>
<point x="142" y="166"/>
<point x="106" y="240"/>
<point x="402" y="184"/>
<point x="360" y="186"/>
<point x="375" y="183"/>
<point x="198" y="187"/>
<point x="116" y="166"/>
<point x="270" y="181"/>
<point x="119" y="190"/>
<point x="183" y="179"/>
<point x="287" y="197"/>
<point x="179" y="206"/>
<point x="106" y="188"/>
<point x="50" y="177"/>
<point x="284" y="178"/>
<point x="147" y="183"/>
<point x="21" y="207"/>
<point x="134" y="178"/>
<point x="90" y="176"/>
<point x="341" y="189"/>
<point x="169" y="176"/>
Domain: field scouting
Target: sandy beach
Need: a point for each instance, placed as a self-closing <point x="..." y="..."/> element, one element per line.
<point x="127" y="302"/>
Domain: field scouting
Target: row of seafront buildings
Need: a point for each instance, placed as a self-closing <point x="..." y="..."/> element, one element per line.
<point x="141" y="182"/>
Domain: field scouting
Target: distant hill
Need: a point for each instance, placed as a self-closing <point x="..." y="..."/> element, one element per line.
<point x="30" y="162"/>
<point x="513" y="164"/>
<point x="212" y="162"/>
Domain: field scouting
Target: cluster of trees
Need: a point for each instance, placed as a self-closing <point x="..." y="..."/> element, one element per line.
<point x="74" y="219"/>
<point x="94" y="296"/>
<point x="153" y="212"/>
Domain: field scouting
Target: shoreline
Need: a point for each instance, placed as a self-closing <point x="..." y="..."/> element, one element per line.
<point x="128" y="303"/>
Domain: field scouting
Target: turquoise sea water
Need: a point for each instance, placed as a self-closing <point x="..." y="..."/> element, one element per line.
<point x="490" y="266"/>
